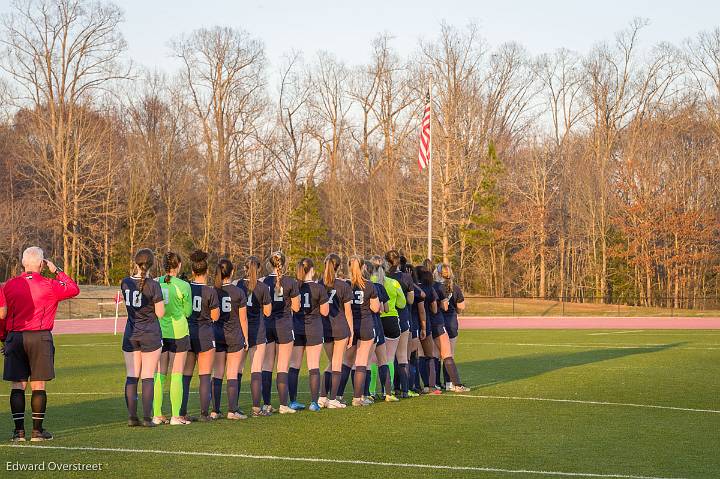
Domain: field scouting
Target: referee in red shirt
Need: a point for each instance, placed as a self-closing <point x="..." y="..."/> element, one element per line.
<point x="32" y="301"/>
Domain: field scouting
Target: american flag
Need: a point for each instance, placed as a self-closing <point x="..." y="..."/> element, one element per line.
<point x="424" y="154"/>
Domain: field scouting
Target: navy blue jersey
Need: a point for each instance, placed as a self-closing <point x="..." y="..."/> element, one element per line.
<point x="204" y="300"/>
<point x="455" y="297"/>
<point x="312" y="296"/>
<point x="361" y="303"/>
<point x="231" y="299"/>
<point x="260" y="297"/>
<point x="340" y="293"/>
<point x="431" y="296"/>
<point x="140" y="305"/>
<point x="281" y="315"/>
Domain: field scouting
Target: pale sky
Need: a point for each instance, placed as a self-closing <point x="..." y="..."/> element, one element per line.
<point x="346" y="28"/>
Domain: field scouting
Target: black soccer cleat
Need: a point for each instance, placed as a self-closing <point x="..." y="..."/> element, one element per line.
<point x="41" y="435"/>
<point x="18" y="435"/>
<point x="133" y="422"/>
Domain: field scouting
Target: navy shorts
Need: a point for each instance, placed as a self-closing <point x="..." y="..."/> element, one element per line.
<point x="280" y="331"/>
<point x="391" y="327"/>
<point x="437" y="330"/>
<point x="404" y="315"/>
<point x="29" y="355"/>
<point x="308" y="334"/>
<point x="451" y="324"/>
<point x="335" y="329"/>
<point x="202" y="337"/>
<point x="228" y="342"/>
<point x="256" y="332"/>
<point x="379" y="333"/>
<point x="146" y="341"/>
<point x="364" y="331"/>
<point x="414" y="326"/>
<point x="176" y="345"/>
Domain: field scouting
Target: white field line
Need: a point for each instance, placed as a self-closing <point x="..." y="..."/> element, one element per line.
<point x="477" y="396"/>
<point x="594" y="345"/>
<point x="579" y="401"/>
<point x="617" y="332"/>
<point x="340" y="461"/>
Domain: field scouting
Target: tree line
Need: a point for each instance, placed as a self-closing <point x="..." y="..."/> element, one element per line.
<point x="591" y="175"/>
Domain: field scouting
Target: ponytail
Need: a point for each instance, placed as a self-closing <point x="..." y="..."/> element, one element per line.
<point x="378" y="268"/>
<point x="252" y="265"/>
<point x="304" y="266"/>
<point x="332" y="263"/>
<point x="223" y="271"/>
<point x="170" y="261"/>
<point x="144" y="260"/>
<point x="356" y="274"/>
<point x="394" y="260"/>
<point x="277" y="262"/>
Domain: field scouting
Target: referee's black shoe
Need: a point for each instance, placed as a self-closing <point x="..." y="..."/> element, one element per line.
<point x="18" y="435"/>
<point x="41" y="435"/>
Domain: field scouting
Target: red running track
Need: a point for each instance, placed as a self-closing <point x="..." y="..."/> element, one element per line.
<point x="105" y="325"/>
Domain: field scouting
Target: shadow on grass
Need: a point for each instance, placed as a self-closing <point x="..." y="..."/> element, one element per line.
<point x="513" y="368"/>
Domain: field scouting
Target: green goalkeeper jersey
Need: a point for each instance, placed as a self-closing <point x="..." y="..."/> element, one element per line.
<point x="178" y="306"/>
<point x="397" y="297"/>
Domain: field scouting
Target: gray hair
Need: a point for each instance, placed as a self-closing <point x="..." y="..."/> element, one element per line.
<point x="32" y="257"/>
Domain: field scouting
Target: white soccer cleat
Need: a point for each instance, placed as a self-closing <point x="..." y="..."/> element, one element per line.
<point x="286" y="410"/>
<point x="323" y="402"/>
<point x="335" y="404"/>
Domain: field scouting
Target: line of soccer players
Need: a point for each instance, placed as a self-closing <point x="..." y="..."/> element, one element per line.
<point x="386" y="325"/>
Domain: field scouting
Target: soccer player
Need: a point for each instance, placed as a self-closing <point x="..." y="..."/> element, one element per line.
<point x="365" y="304"/>
<point x="175" y="338"/>
<point x="259" y="306"/>
<point x="205" y="311"/>
<point x="405" y="317"/>
<point x="30" y="302"/>
<point x="337" y="330"/>
<point x="308" y="332"/>
<point x="231" y="331"/>
<point x="455" y="305"/>
<point x="390" y="323"/>
<point x="285" y="296"/>
<point x="436" y="329"/>
<point x="142" y="340"/>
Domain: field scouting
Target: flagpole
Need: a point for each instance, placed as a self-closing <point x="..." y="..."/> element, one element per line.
<point x="430" y="165"/>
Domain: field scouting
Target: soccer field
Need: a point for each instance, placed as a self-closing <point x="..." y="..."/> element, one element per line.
<point x="563" y="403"/>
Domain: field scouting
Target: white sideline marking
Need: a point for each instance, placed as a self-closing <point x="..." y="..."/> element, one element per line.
<point x="617" y="332"/>
<point x="594" y="345"/>
<point x="579" y="401"/>
<point x="341" y="461"/>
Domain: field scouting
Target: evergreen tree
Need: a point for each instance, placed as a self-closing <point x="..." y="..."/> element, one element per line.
<point x="306" y="226"/>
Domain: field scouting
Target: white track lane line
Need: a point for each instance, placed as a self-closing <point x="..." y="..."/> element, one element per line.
<point x="339" y="461"/>
<point x="580" y="401"/>
<point x="595" y="345"/>
<point x="617" y="332"/>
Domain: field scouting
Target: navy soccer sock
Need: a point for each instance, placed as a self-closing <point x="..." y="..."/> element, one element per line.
<point x="205" y="393"/>
<point x="186" y="380"/>
<point x="266" y="386"/>
<point x="232" y="391"/>
<point x="344" y="377"/>
<point x="216" y="393"/>
<point x="359" y="381"/>
<point x="293" y="377"/>
<point x="255" y="388"/>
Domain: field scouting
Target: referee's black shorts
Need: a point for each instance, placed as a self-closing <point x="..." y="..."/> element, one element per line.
<point x="29" y="355"/>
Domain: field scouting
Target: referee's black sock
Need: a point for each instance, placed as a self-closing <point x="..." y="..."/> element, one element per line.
<point x="17" y="408"/>
<point x="38" y="403"/>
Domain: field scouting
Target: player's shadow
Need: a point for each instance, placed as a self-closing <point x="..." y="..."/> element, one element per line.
<point x="512" y="368"/>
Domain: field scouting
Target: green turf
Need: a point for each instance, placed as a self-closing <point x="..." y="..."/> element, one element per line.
<point x="664" y="368"/>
